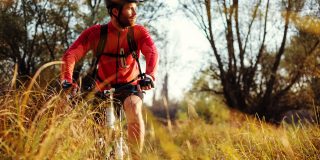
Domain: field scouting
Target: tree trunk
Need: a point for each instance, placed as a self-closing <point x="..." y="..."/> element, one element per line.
<point x="268" y="99"/>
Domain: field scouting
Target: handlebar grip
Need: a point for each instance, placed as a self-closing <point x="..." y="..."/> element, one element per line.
<point x="119" y="91"/>
<point x="65" y="84"/>
<point x="146" y="82"/>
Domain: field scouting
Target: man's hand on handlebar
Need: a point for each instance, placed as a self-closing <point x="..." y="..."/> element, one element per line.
<point x="70" y="89"/>
<point x="146" y="83"/>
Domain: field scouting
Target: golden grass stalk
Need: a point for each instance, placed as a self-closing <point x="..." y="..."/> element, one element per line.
<point x="15" y="75"/>
<point x="55" y="132"/>
<point x="33" y="80"/>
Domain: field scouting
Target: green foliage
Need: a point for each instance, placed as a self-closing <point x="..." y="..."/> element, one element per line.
<point x="32" y="33"/>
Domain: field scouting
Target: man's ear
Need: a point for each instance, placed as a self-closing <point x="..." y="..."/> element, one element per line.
<point x="115" y="12"/>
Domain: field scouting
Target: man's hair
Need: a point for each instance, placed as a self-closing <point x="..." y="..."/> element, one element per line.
<point x="110" y="4"/>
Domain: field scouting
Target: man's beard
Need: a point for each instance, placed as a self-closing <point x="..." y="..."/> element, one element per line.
<point x="126" y="21"/>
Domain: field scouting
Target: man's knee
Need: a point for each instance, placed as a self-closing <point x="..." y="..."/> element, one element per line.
<point x="133" y="109"/>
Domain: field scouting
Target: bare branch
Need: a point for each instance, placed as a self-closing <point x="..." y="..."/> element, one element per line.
<point x="243" y="49"/>
<point x="270" y="84"/>
<point x="254" y="68"/>
<point x="212" y="41"/>
<point x="298" y="73"/>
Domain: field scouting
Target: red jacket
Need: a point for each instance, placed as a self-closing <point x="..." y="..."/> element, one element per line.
<point x="116" y="43"/>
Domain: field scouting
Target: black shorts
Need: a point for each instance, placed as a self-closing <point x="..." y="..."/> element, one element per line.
<point x="119" y="97"/>
<point x="122" y="92"/>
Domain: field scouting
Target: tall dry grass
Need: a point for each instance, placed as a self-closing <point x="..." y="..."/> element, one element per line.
<point x="46" y="126"/>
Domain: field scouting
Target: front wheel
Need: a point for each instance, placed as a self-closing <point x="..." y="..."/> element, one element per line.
<point x="120" y="150"/>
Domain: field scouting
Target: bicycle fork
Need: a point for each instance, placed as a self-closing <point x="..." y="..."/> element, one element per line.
<point x="119" y="142"/>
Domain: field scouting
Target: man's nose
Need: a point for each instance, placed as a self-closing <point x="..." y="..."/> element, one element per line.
<point x="134" y="12"/>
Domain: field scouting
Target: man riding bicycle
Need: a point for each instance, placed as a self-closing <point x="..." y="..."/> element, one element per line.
<point x="117" y="66"/>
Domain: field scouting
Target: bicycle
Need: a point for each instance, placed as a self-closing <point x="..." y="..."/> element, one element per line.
<point x="106" y="110"/>
<point x="113" y="118"/>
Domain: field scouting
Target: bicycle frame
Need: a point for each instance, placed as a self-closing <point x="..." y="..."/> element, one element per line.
<point x="121" y="150"/>
<point x="121" y="147"/>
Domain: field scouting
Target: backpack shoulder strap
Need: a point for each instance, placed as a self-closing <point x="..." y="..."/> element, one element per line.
<point x="102" y="40"/>
<point x="131" y="42"/>
<point x="133" y="48"/>
<point x="100" y="49"/>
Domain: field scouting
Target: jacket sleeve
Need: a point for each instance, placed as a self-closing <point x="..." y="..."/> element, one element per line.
<point x="149" y="50"/>
<point x="85" y="42"/>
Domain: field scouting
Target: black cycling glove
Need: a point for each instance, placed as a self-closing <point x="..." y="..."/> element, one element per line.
<point x="146" y="82"/>
<point x="70" y="89"/>
<point x="66" y="85"/>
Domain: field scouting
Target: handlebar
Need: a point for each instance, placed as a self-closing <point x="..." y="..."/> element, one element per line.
<point x="121" y="90"/>
<point x="145" y="80"/>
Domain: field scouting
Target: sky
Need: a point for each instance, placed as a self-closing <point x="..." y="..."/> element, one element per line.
<point x="187" y="49"/>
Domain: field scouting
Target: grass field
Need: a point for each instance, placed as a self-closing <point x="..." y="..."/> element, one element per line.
<point x="37" y="126"/>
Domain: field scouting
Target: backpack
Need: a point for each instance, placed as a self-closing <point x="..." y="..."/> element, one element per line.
<point x="89" y="81"/>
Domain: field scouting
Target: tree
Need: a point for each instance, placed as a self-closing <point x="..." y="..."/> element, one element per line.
<point x="250" y="74"/>
<point x="302" y="57"/>
<point x="32" y="33"/>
